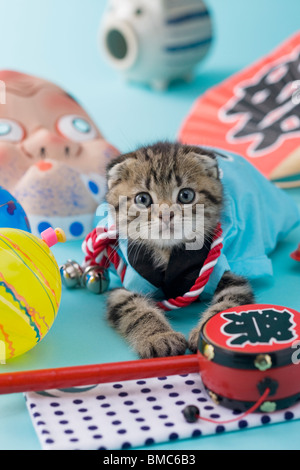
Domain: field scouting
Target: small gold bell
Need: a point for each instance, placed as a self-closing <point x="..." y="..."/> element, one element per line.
<point x="95" y="279"/>
<point x="71" y="273"/>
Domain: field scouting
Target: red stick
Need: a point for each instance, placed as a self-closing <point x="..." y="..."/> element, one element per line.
<point x="65" y="377"/>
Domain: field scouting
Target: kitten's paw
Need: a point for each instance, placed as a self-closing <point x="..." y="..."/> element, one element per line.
<point x="193" y="339"/>
<point x="117" y="296"/>
<point x="163" y="345"/>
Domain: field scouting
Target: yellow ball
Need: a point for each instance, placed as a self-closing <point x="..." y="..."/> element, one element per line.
<point x="30" y="291"/>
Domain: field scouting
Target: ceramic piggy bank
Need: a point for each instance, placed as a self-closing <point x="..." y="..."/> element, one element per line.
<point x="155" y="42"/>
<point x="52" y="155"/>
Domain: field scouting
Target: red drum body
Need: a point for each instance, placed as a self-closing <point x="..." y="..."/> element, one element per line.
<point x="245" y="350"/>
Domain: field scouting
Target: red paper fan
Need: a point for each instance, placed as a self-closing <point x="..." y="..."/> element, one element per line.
<point x="255" y="113"/>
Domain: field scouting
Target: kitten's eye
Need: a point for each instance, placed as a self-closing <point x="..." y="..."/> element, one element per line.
<point x="186" y="196"/>
<point x="143" y="200"/>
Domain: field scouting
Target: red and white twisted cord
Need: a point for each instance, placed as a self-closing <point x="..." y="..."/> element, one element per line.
<point x="101" y="249"/>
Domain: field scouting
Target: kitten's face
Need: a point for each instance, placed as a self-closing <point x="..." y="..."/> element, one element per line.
<point x="165" y="195"/>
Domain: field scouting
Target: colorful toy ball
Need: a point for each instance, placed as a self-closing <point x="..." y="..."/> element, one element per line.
<point x="12" y="213"/>
<point x="30" y="289"/>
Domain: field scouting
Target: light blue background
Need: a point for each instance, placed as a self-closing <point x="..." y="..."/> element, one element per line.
<point x="57" y="40"/>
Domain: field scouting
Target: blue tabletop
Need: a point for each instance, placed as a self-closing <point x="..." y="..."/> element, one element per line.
<point x="58" y="41"/>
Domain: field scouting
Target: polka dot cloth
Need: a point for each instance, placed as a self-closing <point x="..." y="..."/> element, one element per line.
<point x="133" y="414"/>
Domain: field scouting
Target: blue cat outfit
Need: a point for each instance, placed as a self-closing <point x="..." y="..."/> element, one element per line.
<point x="256" y="215"/>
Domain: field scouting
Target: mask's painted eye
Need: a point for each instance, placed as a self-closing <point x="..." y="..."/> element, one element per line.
<point x="186" y="196"/>
<point x="76" y="128"/>
<point x="143" y="200"/>
<point x="11" y="131"/>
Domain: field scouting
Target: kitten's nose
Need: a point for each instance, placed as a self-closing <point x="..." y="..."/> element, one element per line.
<point x="166" y="217"/>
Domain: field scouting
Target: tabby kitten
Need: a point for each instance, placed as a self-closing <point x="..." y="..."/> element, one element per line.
<point x="154" y="179"/>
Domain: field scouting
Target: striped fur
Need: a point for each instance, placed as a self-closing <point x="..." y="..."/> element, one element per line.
<point x="162" y="170"/>
<point x="232" y="291"/>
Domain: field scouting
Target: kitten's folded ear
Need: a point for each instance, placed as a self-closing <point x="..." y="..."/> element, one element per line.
<point x="209" y="160"/>
<point x="117" y="169"/>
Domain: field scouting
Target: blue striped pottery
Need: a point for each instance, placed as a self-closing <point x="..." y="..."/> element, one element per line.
<point x="155" y="42"/>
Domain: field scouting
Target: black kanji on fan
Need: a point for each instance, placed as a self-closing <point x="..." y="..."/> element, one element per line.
<point x="269" y="109"/>
<point x="259" y="327"/>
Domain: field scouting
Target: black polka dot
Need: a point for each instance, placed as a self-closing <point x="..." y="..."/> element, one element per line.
<point x="126" y="445"/>
<point x="149" y="441"/>
<point x="243" y="424"/>
<point x="168" y="386"/>
<point x="173" y="436"/>
<point x="77" y="402"/>
<point x="123" y="394"/>
<point x="122" y="431"/>
<point x="141" y="382"/>
<point x="118" y="386"/>
<point x="151" y="399"/>
<point x="288" y="415"/>
<point x="145" y="428"/>
<point x="145" y="390"/>
<point x="54" y="405"/>
<point x="100" y="397"/>
<point x="189" y="382"/>
<point x="236" y="412"/>
<point x="173" y="395"/>
<point x="196" y="433"/>
<point x="128" y="403"/>
<point x="265" y="419"/>
<point x="220" y="429"/>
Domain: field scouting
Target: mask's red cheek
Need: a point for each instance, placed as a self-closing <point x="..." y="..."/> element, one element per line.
<point x="5" y="154"/>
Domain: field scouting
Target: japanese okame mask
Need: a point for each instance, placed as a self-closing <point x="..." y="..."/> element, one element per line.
<point x="52" y="155"/>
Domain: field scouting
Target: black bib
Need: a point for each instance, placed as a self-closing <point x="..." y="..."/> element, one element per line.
<point x="181" y="273"/>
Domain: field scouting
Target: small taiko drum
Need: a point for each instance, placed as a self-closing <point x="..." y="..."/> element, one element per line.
<point x="246" y="350"/>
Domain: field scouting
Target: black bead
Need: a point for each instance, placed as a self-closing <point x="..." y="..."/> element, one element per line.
<point x="191" y="413"/>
